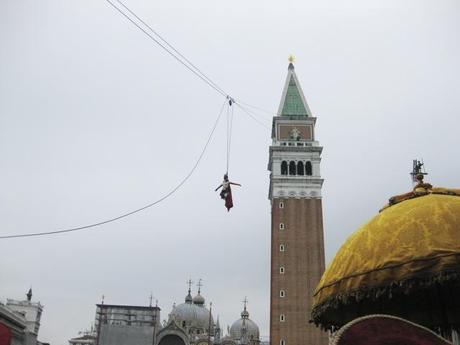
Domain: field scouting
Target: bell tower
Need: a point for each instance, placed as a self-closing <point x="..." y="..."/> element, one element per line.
<point x="297" y="244"/>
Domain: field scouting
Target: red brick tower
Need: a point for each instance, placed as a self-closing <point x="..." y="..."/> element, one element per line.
<point x="297" y="249"/>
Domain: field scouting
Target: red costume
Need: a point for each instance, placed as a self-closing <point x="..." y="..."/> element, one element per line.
<point x="226" y="192"/>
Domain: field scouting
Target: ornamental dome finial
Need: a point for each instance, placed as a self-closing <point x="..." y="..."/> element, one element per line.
<point x="245" y="313"/>
<point x="188" y="298"/>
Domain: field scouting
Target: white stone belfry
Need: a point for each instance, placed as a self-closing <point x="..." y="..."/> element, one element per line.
<point x="295" y="155"/>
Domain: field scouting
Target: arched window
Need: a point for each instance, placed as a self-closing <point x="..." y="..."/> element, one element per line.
<point x="281" y="270"/>
<point x="282" y="318"/>
<point x="171" y="339"/>
<point x="282" y="342"/>
<point x="282" y="293"/>
<point x="300" y="170"/>
<point x="292" y="168"/>
<point x="281" y="226"/>
<point x="281" y="247"/>
<point x="284" y="168"/>
<point x="308" y="168"/>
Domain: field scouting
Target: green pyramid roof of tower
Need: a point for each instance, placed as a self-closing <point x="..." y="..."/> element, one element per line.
<point x="293" y="103"/>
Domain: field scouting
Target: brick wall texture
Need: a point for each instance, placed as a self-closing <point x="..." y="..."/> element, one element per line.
<point x="303" y="262"/>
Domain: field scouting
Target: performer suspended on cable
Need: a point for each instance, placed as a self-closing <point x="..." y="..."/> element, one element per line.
<point x="226" y="192"/>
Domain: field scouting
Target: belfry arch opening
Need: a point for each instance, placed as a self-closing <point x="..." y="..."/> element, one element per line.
<point x="284" y="168"/>
<point x="292" y="168"/>
<point x="300" y="169"/>
<point x="308" y="169"/>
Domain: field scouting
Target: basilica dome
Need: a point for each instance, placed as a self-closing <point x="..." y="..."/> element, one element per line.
<point x="198" y="299"/>
<point x="192" y="315"/>
<point x="405" y="262"/>
<point x="242" y="325"/>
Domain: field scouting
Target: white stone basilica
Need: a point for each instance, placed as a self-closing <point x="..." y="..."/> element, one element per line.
<point x="192" y="323"/>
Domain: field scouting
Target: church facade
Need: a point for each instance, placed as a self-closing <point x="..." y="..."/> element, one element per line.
<point x="297" y="244"/>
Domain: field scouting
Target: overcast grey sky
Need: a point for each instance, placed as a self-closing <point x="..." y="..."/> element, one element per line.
<point x="96" y="120"/>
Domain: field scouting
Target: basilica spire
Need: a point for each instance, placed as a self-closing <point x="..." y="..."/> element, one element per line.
<point x="188" y="298"/>
<point x="293" y="102"/>
<point x="29" y="295"/>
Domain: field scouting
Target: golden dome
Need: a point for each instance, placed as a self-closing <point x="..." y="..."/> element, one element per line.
<point x="413" y="243"/>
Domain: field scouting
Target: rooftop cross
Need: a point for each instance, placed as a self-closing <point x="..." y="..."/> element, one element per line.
<point x="245" y="302"/>
<point x="189" y="282"/>
<point x="200" y="284"/>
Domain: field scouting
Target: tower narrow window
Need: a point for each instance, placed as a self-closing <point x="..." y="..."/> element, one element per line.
<point x="300" y="170"/>
<point x="308" y="168"/>
<point x="292" y="168"/>
<point x="281" y="247"/>
<point x="284" y="168"/>
<point x="281" y="204"/>
<point x="282" y="270"/>
<point x="282" y="342"/>
<point x="281" y="226"/>
<point x="282" y="318"/>
<point x="282" y="293"/>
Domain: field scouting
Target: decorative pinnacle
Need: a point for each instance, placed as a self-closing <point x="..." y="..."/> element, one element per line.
<point x="200" y="284"/>
<point x="245" y="302"/>
<point x="29" y="295"/>
<point x="189" y="282"/>
<point x="291" y="58"/>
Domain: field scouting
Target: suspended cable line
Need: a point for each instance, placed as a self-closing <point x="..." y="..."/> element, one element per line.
<point x="198" y="74"/>
<point x="155" y="37"/>
<point x="173" y="52"/>
<point x="256" y="107"/>
<point x="175" y="189"/>
<point x="170" y="46"/>
<point x="229" y="129"/>
<point x="252" y="115"/>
